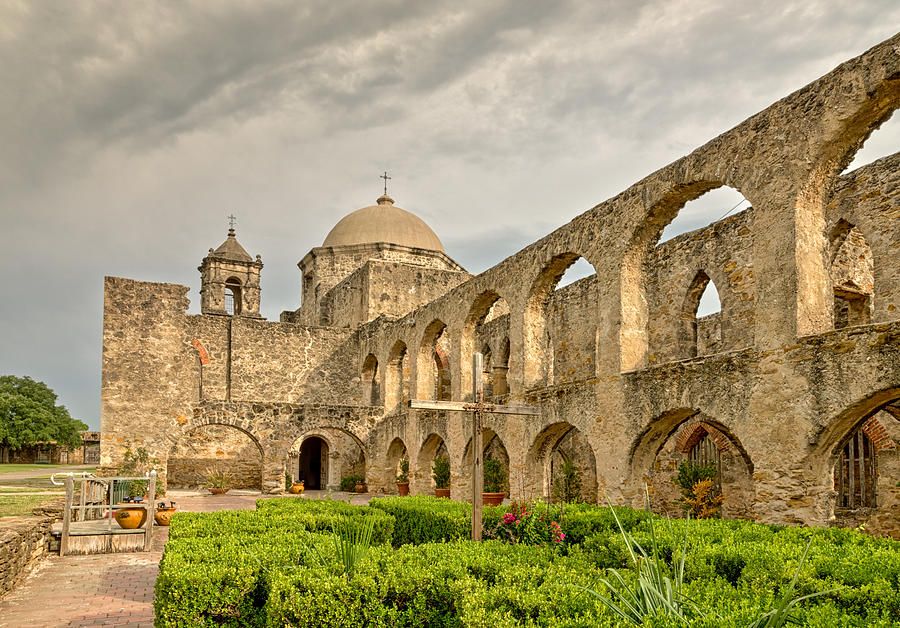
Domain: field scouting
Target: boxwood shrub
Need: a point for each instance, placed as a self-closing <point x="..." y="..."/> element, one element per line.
<point x="277" y="566"/>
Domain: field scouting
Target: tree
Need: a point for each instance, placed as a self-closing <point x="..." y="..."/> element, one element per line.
<point x="29" y="414"/>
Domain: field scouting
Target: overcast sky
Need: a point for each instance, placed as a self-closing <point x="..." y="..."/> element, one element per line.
<point x="129" y="131"/>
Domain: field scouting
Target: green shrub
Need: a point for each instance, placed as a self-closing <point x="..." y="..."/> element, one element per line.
<point x="278" y="566"/>
<point x="440" y="471"/>
<point x="494" y="476"/>
<point x="423" y="519"/>
<point x="567" y="483"/>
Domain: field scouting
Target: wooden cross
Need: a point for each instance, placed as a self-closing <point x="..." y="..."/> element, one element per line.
<point x="478" y="408"/>
<point x="386" y="179"/>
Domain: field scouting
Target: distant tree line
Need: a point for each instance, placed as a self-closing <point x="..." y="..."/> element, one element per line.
<point x="29" y="415"/>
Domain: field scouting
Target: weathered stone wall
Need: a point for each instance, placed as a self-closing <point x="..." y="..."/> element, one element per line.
<point x="724" y="252"/>
<point x="572" y="331"/>
<point x="384" y="288"/>
<point x="24" y="542"/>
<point x="869" y="199"/>
<point x="215" y="448"/>
<point x="785" y="387"/>
<point x="324" y="268"/>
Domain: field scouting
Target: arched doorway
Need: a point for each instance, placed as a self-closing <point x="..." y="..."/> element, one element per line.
<point x="312" y="463"/>
<point x="561" y="465"/>
<point x="685" y="435"/>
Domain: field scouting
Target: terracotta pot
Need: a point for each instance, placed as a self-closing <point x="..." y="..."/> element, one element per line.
<point x="403" y="487"/>
<point x="442" y="492"/>
<point x="297" y="488"/>
<point x="361" y="487"/>
<point x="131" y="517"/>
<point x="218" y="491"/>
<point x="163" y="515"/>
<point x="492" y="499"/>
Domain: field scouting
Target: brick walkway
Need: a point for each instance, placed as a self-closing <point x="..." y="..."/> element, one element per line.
<point x="107" y="589"/>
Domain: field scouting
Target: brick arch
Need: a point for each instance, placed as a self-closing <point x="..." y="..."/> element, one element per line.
<point x="859" y="413"/>
<point x="683" y="424"/>
<point x="875" y="430"/>
<point x="690" y="433"/>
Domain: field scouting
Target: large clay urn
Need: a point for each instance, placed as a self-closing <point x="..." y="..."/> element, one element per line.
<point x="442" y="492"/>
<point x="492" y="499"/>
<point x="403" y="488"/>
<point x="131" y="517"/>
<point x="163" y="515"/>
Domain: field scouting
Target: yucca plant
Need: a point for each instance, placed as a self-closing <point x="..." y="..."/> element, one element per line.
<point x="780" y="614"/>
<point x="654" y="592"/>
<point x="352" y="543"/>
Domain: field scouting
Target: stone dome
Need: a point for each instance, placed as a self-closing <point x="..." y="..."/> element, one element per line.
<point x="383" y="223"/>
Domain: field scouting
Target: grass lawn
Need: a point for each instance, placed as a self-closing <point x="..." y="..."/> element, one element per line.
<point x="7" y="490"/>
<point x="17" y="505"/>
<point x="12" y="467"/>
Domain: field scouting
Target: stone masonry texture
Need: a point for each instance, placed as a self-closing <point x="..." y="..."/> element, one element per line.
<point x="804" y="354"/>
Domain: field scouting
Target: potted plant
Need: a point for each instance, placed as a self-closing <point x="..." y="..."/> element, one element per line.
<point x="494" y="479"/>
<point x="297" y="487"/>
<point x="440" y="471"/>
<point x="403" y="478"/>
<point x="218" y="480"/>
<point x="361" y="486"/>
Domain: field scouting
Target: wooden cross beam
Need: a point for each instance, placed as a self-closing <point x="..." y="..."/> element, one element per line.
<point x="478" y="408"/>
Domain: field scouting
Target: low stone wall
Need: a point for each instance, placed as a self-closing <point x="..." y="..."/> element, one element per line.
<point x="24" y="542"/>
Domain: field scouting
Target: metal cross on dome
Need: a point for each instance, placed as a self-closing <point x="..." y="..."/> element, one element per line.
<point x="478" y="408"/>
<point x="231" y="218"/>
<point x="386" y="179"/>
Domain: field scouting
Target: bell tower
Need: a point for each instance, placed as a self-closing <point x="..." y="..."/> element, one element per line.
<point x="229" y="280"/>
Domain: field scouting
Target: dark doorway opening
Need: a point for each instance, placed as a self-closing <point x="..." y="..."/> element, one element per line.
<point x="313" y="454"/>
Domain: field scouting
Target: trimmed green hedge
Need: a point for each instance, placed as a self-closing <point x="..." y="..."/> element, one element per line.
<point x="424" y="519"/>
<point x="284" y="515"/>
<point x="277" y="566"/>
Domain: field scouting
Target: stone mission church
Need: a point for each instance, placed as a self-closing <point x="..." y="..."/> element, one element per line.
<point x="792" y="389"/>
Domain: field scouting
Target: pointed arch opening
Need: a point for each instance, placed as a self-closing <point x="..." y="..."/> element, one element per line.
<point x="702" y="318"/>
<point x="679" y="216"/>
<point x="852" y="273"/>
<point x="686" y="435"/>
<point x="560" y="323"/>
<point x="486" y="323"/>
<point x="371" y="384"/>
<point x="857" y="458"/>
<point x="432" y="448"/>
<point x="396" y="378"/>
<point x="396" y="454"/>
<point x="561" y="465"/>
<point x="433" y="375"/>
<point x="493" y="449"/>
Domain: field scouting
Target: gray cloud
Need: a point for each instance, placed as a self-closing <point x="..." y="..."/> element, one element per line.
<point x="128" y="132"/>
